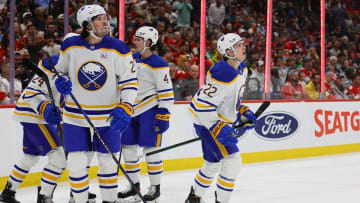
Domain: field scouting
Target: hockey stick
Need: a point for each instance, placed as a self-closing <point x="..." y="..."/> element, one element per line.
<point x="42" y="75"/>
<point x="258" y="113"/>
<point x="97" y="132"/>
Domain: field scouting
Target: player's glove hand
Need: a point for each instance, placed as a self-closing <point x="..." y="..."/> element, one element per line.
<point x="121" y="117"/>
<point x="225" y="134"/>
<point x="247" y="117"/>
<point x="52" y="116"/>
<point x="63" y="84"/>
<point x="161" y="122"/>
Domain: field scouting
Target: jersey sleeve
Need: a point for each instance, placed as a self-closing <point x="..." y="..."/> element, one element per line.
<point x="164" y="86"/>
<point x="127" y="78"/>
<point x="62" y="65"/>
<point x="207" y="100"/>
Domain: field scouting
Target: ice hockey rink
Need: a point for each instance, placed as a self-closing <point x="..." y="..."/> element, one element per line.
<point x="330" y="179"/>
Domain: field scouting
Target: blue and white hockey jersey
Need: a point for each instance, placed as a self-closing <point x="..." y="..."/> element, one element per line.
<point x="155" y="87"/>
<point x="221" y="95"/>
<point x="26" y="109"/>
<point x="98" y="73"/>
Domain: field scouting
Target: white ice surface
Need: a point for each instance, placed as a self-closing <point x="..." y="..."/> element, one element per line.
<point x="326" y="179"/>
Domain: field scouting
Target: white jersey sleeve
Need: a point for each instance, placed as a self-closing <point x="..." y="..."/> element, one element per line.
<point x="26" y="109"/>
<point x="218" y="98"/>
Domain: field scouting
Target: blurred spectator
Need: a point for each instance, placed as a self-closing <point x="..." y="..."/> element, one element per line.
<point x="303" y="80"/>
<point x="335" y="50"/>
<point x="180" y="76"/>
<point x="337" y="88"/>
<point x="51" y="29"/>
<point x="312" y="54"/>
<point x="184" y="9"/>
<point x="353" y="91"/>
<point x="257" y="78"/>
<point x="5" y="84"/>
<point x="143" y="12"/>
<point x="330" y="77"/>
<point x="312" y="89"/>
<point x="25" y="21"/>
<point x="30" y="35"/>
<point x="275" y="86"/>
<point x="50" y="46"/>
<point x="308" y="68"/>
<point x="168" y="56"/>
<point x="38" y="20"/>
<point x="172" y="67"/>
<point x="34" y="50"/>
<point x="191" y="84"/>
<point x="216" y="15"/>
<point x="292" y="89"/>
<point x="60" y="26"/>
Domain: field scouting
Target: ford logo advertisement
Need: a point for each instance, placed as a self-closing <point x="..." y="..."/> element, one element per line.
<point x="277" y="125"/>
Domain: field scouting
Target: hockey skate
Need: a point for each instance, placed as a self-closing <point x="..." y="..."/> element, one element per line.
<point x="129" y="195"/>
<point x="8" y="196"/>
<point x="42" y="198"/>
<point x="152" y="196"/>
<point x="91" y="197"/>
<point x="192" y="198"/>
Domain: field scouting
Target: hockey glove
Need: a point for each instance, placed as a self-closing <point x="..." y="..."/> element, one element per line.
<point x="121" y="117"/>
<point x="224" y="133"/>
<point x="63" y="84"/>
<point x="51" y="116"/>
<point x="161" y="122"/>
<point x="246" y="116"/>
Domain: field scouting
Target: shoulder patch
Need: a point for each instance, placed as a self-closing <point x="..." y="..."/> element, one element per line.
<point x="223" y="72"/>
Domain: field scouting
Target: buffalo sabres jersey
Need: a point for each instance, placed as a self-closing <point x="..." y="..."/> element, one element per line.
<point x="97" y="73"/>
<point x="26" y="109"/>
<point x="155" y="87"/>
<point x="221" y="95"/>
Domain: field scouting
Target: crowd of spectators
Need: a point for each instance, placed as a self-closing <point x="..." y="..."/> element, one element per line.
<point x="295" y="65"/>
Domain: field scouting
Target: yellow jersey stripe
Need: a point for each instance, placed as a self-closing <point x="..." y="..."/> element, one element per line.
<point x="157" y="68"/>
<point x="225" y="119"/>
<point x="158" y="141"/>
<point x="155" y="168"/>
<point x="28" y="114"/>
<point x="47" y="135"/>
<point x="135" y="166"/>
<point x="79" y="185"/>
<point x="50" y="177"/>
<point x="82" y="117"/>
<point x="202" y="180"/>
<point x="93" y="106"/>
<point x="17" y="174"/>
<point x="107" y="181"/>
<point x="192" y="111"/>
<point x="128" y="84"/>
<point x="228" y="185"/>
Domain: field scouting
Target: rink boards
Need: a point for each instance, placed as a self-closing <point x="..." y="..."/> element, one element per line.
<point x="286" y="130"/>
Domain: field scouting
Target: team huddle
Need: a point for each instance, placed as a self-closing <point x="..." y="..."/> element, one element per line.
<point x="107" y="100"/>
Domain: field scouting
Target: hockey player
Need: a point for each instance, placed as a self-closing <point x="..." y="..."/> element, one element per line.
<point x="151" y="115"/>
<point x="37" y="117"/>
<point x="215" y="106"/>
<point x="96" y="67"/>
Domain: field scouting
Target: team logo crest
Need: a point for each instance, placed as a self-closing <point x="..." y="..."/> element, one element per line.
<point x="92" y="75"/>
